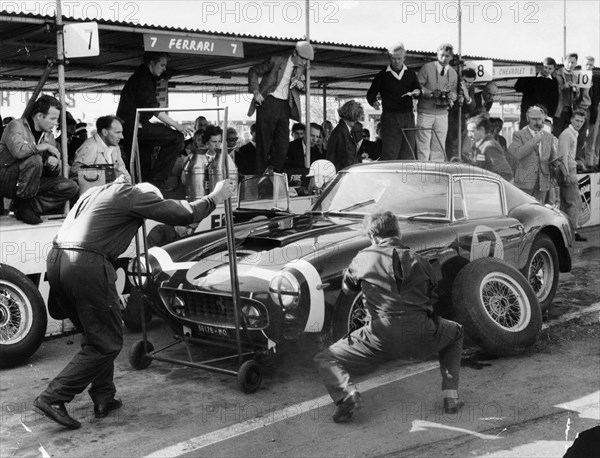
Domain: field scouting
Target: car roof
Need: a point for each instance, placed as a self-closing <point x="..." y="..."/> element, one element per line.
<point x="451" y="168"/>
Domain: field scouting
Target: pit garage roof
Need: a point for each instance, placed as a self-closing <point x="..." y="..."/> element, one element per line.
<point x="28" y="40"/>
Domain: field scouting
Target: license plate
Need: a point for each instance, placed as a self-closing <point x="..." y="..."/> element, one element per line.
<point x="213" y="331"/>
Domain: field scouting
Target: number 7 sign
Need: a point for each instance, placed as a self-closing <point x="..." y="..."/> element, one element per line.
<point x="484" y="69"/>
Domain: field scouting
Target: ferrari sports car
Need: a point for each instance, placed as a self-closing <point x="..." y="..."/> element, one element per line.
<point x="496" y="250"/>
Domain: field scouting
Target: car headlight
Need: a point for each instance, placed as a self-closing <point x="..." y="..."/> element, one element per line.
<point x="285" y="290"/>
<point x="142" y="266"/>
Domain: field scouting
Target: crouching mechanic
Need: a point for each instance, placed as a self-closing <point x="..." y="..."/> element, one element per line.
<point x="82" y="283"/>
<point x="398" y="291"/>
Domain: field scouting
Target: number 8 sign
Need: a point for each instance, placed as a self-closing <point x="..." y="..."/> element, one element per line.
<point x="484" y="69"/>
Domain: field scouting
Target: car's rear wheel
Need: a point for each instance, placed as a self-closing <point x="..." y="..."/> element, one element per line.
<point x="497" y="306"/>
<point x="541" y="270"/>
<point x="23" y="317"/>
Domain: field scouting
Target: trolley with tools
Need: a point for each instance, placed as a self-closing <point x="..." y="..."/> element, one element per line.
<point x="246" y="353"/>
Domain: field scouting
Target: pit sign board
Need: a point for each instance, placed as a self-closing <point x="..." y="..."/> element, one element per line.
<point x="81" y="40"/>
<point x="185" y="44"/>
<point x="484" y="69"/>
<point x="582" y="78"/>
<point x="517" y="71"/>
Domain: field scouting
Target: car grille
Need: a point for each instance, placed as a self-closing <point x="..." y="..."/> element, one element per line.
<point x="212" y="308"/>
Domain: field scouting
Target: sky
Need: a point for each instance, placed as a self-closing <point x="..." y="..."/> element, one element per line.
<point x="506" y="29"/>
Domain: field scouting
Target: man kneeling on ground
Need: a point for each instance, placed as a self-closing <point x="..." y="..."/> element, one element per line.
<point x="398" y="289"/>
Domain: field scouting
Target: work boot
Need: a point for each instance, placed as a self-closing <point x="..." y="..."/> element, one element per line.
<point x="346" y="407"/>
<point x="102" y="409"/>
<point x="56" y="412"/>
<point x="24" y="211"/>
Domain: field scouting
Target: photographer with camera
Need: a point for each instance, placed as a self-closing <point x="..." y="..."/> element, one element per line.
<point x="439" y="92"/>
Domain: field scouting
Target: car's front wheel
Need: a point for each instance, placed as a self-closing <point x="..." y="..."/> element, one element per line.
<point x="541" y="270"/>
<point x="497" y="306"/>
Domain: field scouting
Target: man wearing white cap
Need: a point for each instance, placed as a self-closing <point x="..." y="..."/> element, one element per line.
<point x="276" y="100"/>
<point x="533" y="149"/>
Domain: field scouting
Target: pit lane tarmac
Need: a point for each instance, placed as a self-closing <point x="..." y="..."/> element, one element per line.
<point x="171" y="410"/>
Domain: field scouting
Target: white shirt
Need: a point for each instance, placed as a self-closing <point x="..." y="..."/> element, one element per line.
<point x="282" y="91"/>
<point x="439" y="68"/>
<point x="398" y="76"/>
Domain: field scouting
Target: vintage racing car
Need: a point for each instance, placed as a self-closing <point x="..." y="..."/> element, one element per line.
<point x="496" y="250"/>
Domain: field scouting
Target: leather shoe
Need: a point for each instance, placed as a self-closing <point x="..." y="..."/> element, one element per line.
<point x="103" y="409"/>
<point x="24" y="211"/>
<point x="56" y="412"/>
<point x="452" y="405"/>
<point x="579" y="237"/>
<point x="346" y="407"/>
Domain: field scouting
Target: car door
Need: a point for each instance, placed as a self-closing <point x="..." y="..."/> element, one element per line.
<point x="481" y="222"/>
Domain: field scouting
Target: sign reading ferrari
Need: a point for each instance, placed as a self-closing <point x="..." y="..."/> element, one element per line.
<point x="173" y="43"/>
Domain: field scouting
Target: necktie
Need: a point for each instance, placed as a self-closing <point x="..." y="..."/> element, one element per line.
<point x="443" y="71"/>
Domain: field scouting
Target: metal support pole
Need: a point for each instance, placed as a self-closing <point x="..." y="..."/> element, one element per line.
<point x="38" y="88"/>
<point x="307" y="93"/>
<point x="459" y="152"/>
<point x="60" y="52"/>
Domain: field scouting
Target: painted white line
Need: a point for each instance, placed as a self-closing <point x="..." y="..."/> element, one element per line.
<point x="238" y="429"/>
<point x="206" y="440"/>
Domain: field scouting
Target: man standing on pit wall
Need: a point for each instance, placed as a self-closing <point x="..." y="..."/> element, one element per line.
<point x="397" y="85"/>
<point x="439" y="92"/>
<point x="140" y="92"/>
<point x="570" y="199"/>
<point x="83" y="283"/>
<point x="532" y="150"/>
<point x="541" y="89"/>
<point x="568" y="93"/>
<point x="399" y="293"/>
<point x="30" y="163"/>
<point x="276" y="100"/>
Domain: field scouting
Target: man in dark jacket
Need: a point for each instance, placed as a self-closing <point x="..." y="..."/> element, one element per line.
<point x="487" y="154"/>
<point x="541" y="89"/>
<point x="30" y="163"/>
<point x="397" y="85"/>
<point x="140" y="92"/>
<point x="341" y="147"/>
<point x="399" y="292"/>
<point x="83" y="283"/>
<point x="276" y="100"/>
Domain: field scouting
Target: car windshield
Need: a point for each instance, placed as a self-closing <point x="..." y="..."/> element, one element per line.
<point x="408" y="195"/>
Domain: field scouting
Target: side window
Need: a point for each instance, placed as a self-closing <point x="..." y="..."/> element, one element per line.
<point x="482" y="198"/>
<point x="459" y="207"/>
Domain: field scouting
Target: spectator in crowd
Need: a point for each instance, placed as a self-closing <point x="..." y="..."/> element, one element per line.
<point x="295" y="163"/>
<point x="466" y="103"/>
<point x="73" y="141"/>
<point x="438" y="84"/>
<point x="30" y="163"/>
<point x="83" y="283"/>
<point x="553" y="196"/>
<point x="497" y="124"/>
<point x="377" y="148"/>
<point x="399" y="289"/>
<point x="570" y="199"/>
<point x="232" y="140"/>
<point x="366" y="146"/>
<point x="341" y="147"/>
<point x="583" y="103"/>
<point x="298" y="130"/>
<point x="568" y="93"/>
<point x="316" y="142"/>
<point x="592" y="150"/>
<point x="140" y="92"/>
<point x="396" y="85"/>
<point x="276" y="100"/>
<point x="327" y="129"/>
<point x="541" y="89"/>
<point x="484" y="99"/>
<point x="200" y="124"/>
<point x="488" y="154"/>
<point x="245" y="160"/>
<point x="103" y="148"/>
<point x="532" y="149"/>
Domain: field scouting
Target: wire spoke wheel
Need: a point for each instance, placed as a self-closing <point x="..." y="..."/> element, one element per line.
<point x="504" y="302"/>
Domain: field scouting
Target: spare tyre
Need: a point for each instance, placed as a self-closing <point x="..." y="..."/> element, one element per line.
<point x="497" y="306"/>
<point x="23" y="317"/>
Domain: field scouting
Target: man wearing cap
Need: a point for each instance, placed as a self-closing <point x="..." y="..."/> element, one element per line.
<point x="276" y="100"/>
<point x="533" y="149"/>
<point x="397" y="85"/>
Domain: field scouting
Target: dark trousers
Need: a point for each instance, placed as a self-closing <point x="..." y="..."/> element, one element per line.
<point x="384" y="339"/>
<point x="151" y="135"/>
<point x="83" y="284"/>
<point x="396" y="143"/>
<point x="272" y="134"/>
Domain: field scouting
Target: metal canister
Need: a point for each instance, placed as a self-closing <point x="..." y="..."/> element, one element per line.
<point x="216" y="170"/>
<point x="196" y="176"/>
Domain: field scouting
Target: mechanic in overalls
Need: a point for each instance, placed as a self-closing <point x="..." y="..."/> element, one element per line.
<point x="399" y="292"/>
<point x="82" y="279"/>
